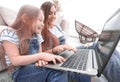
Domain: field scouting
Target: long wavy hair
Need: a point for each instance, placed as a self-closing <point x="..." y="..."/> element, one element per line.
<point x="25" y="24"/>
<point x="50" y="40"/>
<point x="24" y="29"/>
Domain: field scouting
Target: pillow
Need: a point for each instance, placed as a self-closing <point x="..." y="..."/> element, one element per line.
<point x="2" y="21"/>
<point x="8" y="15"/>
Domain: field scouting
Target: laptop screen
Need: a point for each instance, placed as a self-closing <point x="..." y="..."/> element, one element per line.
<point x="106" y="45"/>
<point x="107" y="41"/>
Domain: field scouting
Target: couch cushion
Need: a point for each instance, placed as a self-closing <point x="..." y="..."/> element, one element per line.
<point x="2" y="22"/>
<point x="8" y="15"/>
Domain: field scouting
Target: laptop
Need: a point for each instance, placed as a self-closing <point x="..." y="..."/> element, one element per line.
<point x="93" y="61"/>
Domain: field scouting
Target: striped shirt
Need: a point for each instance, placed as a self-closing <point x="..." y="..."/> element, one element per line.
<point x="11" y="36"/>
<point x="57" y="31"/>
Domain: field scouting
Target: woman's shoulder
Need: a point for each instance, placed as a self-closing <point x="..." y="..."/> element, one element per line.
<point x="58" y="27"/>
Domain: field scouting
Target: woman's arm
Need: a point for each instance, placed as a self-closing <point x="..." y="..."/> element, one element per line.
<point x="60" y="48"/>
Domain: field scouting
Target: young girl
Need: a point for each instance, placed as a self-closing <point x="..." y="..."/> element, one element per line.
<point x="21" y="42"/>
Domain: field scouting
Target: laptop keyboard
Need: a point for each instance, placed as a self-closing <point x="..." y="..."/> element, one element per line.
<point x="77" y="61"/>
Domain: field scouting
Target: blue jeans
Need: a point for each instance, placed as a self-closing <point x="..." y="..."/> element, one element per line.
<point x="31" y="73"/>
<point x="112" y="70"/>
<point x="79" y="77"/>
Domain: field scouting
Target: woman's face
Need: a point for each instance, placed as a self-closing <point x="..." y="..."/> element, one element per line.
<point x="39" y="23"/>
<point x="52" y="15"/>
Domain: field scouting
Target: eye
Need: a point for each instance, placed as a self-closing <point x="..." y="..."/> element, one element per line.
<point x="50" y="13"/>
<point x="40" y="19"/>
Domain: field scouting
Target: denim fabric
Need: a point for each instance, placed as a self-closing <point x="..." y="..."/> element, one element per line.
<point x="81" y="46"/>
<point x="31" y="73"/>
<point x="61" y="40"/>
<point x="112" y="70"/>
<point x="79" y="77"/>
<point x="33" y="47"/>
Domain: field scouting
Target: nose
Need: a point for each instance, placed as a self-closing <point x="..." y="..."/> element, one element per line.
<point x="42" y="24"/>
<point x="53" y="15"/>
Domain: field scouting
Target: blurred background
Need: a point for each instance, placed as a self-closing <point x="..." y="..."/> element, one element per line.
<point x="92" y="13"/>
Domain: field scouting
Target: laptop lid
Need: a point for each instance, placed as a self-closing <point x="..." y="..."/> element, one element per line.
<point x="108" y="41"/>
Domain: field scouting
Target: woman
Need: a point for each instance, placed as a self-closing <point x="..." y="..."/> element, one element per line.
<point x="21" y="42"/>
<point x="54" y="36"/>
<point x="54" y="39"/>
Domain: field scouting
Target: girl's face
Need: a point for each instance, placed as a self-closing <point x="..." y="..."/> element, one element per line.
<point x="52" y="15"/>
<point x="39" y="23"/>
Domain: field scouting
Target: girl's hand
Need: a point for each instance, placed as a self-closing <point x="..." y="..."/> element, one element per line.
<point x="50" y="57"/>
<point x="41" y="63"/>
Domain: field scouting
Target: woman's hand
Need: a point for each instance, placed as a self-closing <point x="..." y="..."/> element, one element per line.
<point x="61" y="48"/>
<point x="67" y="47"/>
<point x="58" y="49"/>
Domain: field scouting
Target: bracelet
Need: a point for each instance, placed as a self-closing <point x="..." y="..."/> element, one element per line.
<point x="53" y="51"/>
